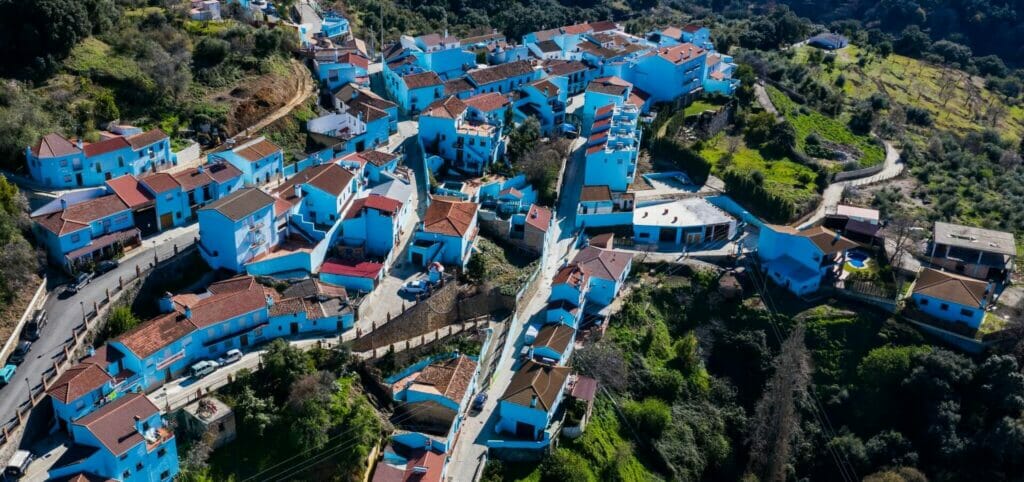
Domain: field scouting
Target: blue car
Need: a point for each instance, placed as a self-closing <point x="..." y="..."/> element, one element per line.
<point x="6" y="374"/>
<point x="479" y="401"/>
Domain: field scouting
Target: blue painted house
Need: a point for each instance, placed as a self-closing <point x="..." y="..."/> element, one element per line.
<point x="414" y="91"/>
<point x="554" y="343"/>
<point x="206" y="183"/>
<point x="126" y="439"/>
<point x="504" y="78"/>
<point x="334" y="25"/>
<point x="447" y="233"/>
<point x="802" y="261"/>
<point x="374" y="222"/>
<point x="437" y="396"/>
<point x="169" y="199"/>
<point x="531" y="400"/>
<point x="319" y="194"/>
<point x="613" y="147"/>
<point x="544" y="100"/>
<point x="951" y="297"/>
<point x="358" y="100"/>
<point x="338" y="67"/>
<point x="576" y="74"/>
<point x="672" y="36"/>
<point x="235" y="229"/>
<point x="57" y="162"/>
<point x="467" y="135"/>
<point x="376" y="166"/>
<point x="718" y="75"/>
<point x="605" y="269"/>
<point x="669" y="73"/>
<point x="259" y="160"/>
<point x="77" y="231"/>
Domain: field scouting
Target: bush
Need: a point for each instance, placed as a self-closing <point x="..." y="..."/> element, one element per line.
<point x="649" y="417"/>
<point x="746" y="189"/>
<point x="684" y="158"/>
<point x="566" y="466"/>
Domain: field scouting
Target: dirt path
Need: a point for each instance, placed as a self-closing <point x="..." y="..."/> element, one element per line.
<point x="834" y="192"/>
<point x="304" y="89"/>
<point x="766" y="101"/>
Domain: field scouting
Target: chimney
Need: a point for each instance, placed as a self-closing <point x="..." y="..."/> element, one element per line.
<point x="533" y="401"/>
<point x="63" y="204"/>
<point x="297" y="191"/>
<point x="166" y="305"/>
<point x="188" y="312"/>
<point x="138" y="424"/>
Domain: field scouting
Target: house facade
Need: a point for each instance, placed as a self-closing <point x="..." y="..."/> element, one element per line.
<point x="235" y="229"/>
<point x="544" y="100"/>
<point x="57" y="162"/>
<point x="447" y="233"/>
<point x="951" y="297"/>
<point x="801" y="261"/>
<point x="531" y="400"/>
<point x="467" y="135"/>
<point x="979" y="253"/>
<point x="259" y="160"/>
<point x="76" y="231"/>
<point x="689" y="221"/>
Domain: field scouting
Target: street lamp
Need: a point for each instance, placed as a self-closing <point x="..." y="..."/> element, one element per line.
<point x="82" y="304"/>
<point x="29" y="385"/>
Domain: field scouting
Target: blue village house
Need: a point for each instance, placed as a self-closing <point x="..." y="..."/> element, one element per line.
<point x="356" y="99"/>
<point x="605" y="269"/>
<point x="544" y="100"/>
<point x="669" y="73"/>
<point x="467" y="135"/>
<point x="531" y="400"/>
<point x="951" y="297"/>
<point x="576" y="74"/>
<point x="82" y="231"/>
<point x="802" y="261"/>
<point x="340" y="66"/>
<point x="569" y="285"/>
<point x="376" y="166"/>
<point x="362" y="121"/>
<point x="334" y="25"/>
<point x="672" y="36"/>
<point x="235" y="229"/>
<point x="613" y="147"/>
<point x="374" y="223"/>
<point x="413" y="91"/>
<point x="504" y="78"/>
<point x="553" y="343"/>
<point x="207" y="182"/>
<point x="435" y="400"/>
<point x="446" y="234"/>
<point x="320" y="193"/>
<point x="259" y="160"/>
<point x="57" y="162"/>
<point x="126" y="439"/>
<point x="718" y="75"/>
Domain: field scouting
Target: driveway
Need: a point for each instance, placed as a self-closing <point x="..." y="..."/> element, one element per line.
<point x="833" y="194"/>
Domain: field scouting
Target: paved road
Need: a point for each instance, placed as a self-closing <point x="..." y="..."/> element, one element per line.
<point x="65" y="313"/>
<point x="833" y="194"/>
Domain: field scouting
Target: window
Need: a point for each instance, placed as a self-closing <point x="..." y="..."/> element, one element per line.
<point x="169" y="197"/>
<point x="165" y="475"/>
<point x="177" y="214"/>
<point x="99" y="168"/>
<point x="122" y="457"/>
<point x="120" y="161"/>
<point x="944" y="307"/>
<point x="220" y="427"/>
<point x="63" y="163"/>
<point x="126" y="474"/>
<point x="259" y="332"/>
<point x="161" y="452"/>
<point x="76" y="238"/>
<point x="138" y="467"/>
<point x="922" y="301"/>
<point x="966" y="312"/>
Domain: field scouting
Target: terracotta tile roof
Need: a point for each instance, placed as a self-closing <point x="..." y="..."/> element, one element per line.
<point x="603" y="240"/>
<point x="155" y="334"/>
<point x="539" y="217"/>
<point x="54" y="145"/>
<point x="449" y="217"/>
<point x="241" y="203"/>
<point x="78" y="216"/>
<point x="105" y="146"/>
<point x="422" y="79"/>
<point x="330" y="178"/>
<point x="534" y="381"/>
<point x="348" y="267"/>
<point x="127" y="188"/>
<point x="595" y="193"/>
<point x="826" y="240"/>
<point x="489" y="37"/>
<point x="221" y="172"/>
<point x="370" y="105"/>
<point x="678" y="54"/>
<point x="447" y="108"/>
<point x="555" y="336"/>
<point x="571" y="275"/>
<point x="500" y="72"/>
<point x="190" y="179"/>
<point x="457" y="86"/>
<point x="114" y="423"/>
<point x="607" y="109"/>
<point x="564" y="67"/>
<point x="609" y="85"/>
<point x="691" y="28"/>
<point x="548" y="46"/>
<point x="584" y="388"/>
<point x="488" y="102"/>
<point x="77" y="381"/>
<point x="577" y="29"/>
<point x="951" y="287"/>
<point x="546" y="87"/>
<point x="83" y="477"/>
<point x="596" y="148"/>
<point x="413" y="470"/>
<point x="606" y="264"/>
<point x="672" y="32"/>
<point x="511" y="192"/>
<point x="288" y="306"/>
<point x="160" y="182"/>
<point x="603" y="26"/>
<point x="314" y="288"/>
<point x="450" y="378"/>
<point x="638" y="97"/>
<point x="380" y="203"/>
<point x="145" y="139"/>
<point x="258" y="150"/>
<point x="375" y="157"/>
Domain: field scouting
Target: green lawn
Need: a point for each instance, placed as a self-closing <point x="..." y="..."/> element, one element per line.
<point x="94" y="58"/>
<point x="782" y="177"/>
<point x="807" y="120"/>
<point x="706" y="103"/>
<point x="956" y="100"/>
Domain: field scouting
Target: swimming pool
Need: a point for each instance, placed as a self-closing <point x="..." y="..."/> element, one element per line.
<point x="857" y="258"/>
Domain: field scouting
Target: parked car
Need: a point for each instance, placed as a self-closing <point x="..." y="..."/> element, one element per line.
<point x="6" y="374"/>
<point x="20" y="352"/>
<point x="203" y="368"/>
<point x="416" y="287"/>
<point x="230" y="357"/>
<point x="479" y="401"/>
<point x="18" y="465"/>
<point x="33" y="328"/>
<point x="106" y="266"/>
<point x="79" y="282"/>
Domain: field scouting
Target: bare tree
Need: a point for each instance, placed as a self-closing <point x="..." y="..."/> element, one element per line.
<point x="902" y="235"/>
<point x="776" y="422"/>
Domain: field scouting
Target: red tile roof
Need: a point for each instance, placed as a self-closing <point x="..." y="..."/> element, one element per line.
<point x="488" y="102"/>
<point x="451" y="378"/>
<point x="54" y="145"/>
<point x="951" y="287"/>
<point x="78" y="216"/>
<point x="127" y="188"/>
<point x="447" y="108"/>
<point x="681" y="53"/>
<point x="354" y="268"/>
<point x="383" y="204"/>
<point x="571" y="275"/>
<point x="375" y="157"/>
<point x="103" y="147"/>
<point x="329" y="178"/>
<point x="691" y="28"/>
<point x="77" y="381"/>
<point x="536" y="383"/>
<point x="422" y="79"/>
<point x="452" y="218"/>
<point x="539" y="217"/>
<point x="500" y="72"/>
<point x="114" y="423"/>
<point x="606" y="264"/>
<point x="584" y="388"/>
<point x="257" y="150"/>
<point x="160" y="182"/>
<point x="145" y="139"/>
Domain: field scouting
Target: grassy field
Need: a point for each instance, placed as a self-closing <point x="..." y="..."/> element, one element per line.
<point x="782" y="177"/>
<point x="956" y="100"/>
<point x="807" y="120"/>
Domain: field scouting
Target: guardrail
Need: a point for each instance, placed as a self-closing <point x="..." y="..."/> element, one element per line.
<point x="66" y="355"/>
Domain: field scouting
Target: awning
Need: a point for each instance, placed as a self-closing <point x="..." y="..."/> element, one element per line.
<point x="130" y="235"/>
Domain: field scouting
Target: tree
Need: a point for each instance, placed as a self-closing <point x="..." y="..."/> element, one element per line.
<point x="862" y="118"/>
<point x="564" y="465"/>
<point x="211" y="51"/>
<point x="650" y="416"/>
<point x="603" y="362"/>
<point x="255" y="413"/>
<point x="36" y="34"/>
<point x="903" y="235"/>
<point x="523" y="139"/>
<point x="902" y="474"/>
<point x="121" y="320"/>
<point x="776" y="422"/>
<point x="912" y="42"/>
<point x="782" y="138"/>
<point x="283" y="364"/>
<point x="890" y="449"/>
<point x="759" y="127"/>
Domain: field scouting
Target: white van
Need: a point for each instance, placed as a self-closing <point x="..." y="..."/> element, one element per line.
<point x="18" y="465"/>
<point x="230" y="357"/>
<point x="203" y="368"/>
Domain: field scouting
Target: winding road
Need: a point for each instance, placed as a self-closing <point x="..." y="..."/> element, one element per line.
<point x="833" y="194"/>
